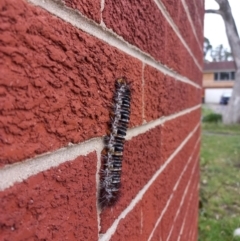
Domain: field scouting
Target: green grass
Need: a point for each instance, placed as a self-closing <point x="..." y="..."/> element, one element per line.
<point x="220" y="183"/>
<point x="206" y="111"/>
<point x="220" y="128"/>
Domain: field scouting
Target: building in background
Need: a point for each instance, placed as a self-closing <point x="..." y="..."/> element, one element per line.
<point x="218" y="80"/>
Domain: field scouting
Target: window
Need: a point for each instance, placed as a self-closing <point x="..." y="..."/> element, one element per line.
<point x="223" y="76"/>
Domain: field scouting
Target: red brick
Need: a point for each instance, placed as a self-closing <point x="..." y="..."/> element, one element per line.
<point x="174" y="51"/>
<point x="184" y="25"/>
<point x="193" y="207"/>
<point x="184" y="211"/>
<point x="131" y="227"/>
<point x="188" y="34"/>
<point x="191" y="220"/>
<point x="179" y="96"/>
<point x="179" y="59"/>
<point x="172" y="7"/>
<point x="154" y="82"/>
<point x="142" y="25"/>
<point x="189" y="207"/>
<point x="142" y="157"/>
<point x="194" y="236"/>
<point x="200" y="10"/>
<point x="194" y="162"/>
<point x="149" y="208"/>
<point x="163" y="95"/>
<point x="192" y="10"/>
<point x="179" y="16"/>
<point x="167" y="223"/>
<point x="175" y="131"/>
<point x="154" y="199"/>
<point x="168" y="219"/>
<point x="57" y="82"/>
<point x="158" y="194"/>
<point x="196" y="10"/>
<point x="190" y="68"/>
<point x="58" y="204"/>
<point x="90" y="8"/>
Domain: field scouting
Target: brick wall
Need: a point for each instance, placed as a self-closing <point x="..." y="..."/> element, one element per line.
<point x="58" y="63"/>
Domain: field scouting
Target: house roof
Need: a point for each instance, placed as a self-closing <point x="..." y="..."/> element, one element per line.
<point x="219" y="66"/>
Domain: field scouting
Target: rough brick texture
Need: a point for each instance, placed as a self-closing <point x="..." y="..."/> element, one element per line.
<point x="56" y="89"/>
<point x="58" y="204"/>
<point x="179" y="16"/>
<point x="169" y="220"/>
<point x="187" y="219"/>
<point x="56" y="83"/>
<point x="165" y="95"/>
<point x="196" y="10"/>
<point x="89" y="8"/>
<point x="146" y="213"/>
<point x="136" y="171"/>
<point x="144" y="26"/>
<point x="172" y="7"/>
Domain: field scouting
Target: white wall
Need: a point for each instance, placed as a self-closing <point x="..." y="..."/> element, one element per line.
<point x="214" y="95"/>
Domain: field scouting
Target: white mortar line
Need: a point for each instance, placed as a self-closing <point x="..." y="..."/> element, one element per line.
<point x="185" y="216"/>
<point x="188" y="208"/>
<point x="107" y="236"/>
<point x="192" y="233"/>
<point x="199" y="18"/>
<point x="191" y="22"/>
<point x="102" y="8"/>
<point x="176" y="30"/>
<point x="107" y="35"/>
<point x="143" y="95"/>
<point x="20" y="171"/>
<point x="181" y="231"/>
<point x="199" y="45"/>
<point x="141" y="221"/>
<point x="182" y="200"/>
<point x="150" y="125"/>
<point x="175" y="187"/>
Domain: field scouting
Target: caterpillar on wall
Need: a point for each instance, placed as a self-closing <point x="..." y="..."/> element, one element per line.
<point x="114" y="144"/>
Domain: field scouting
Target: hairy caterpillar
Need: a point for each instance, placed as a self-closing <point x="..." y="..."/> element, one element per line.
<point x="114" y="144"/>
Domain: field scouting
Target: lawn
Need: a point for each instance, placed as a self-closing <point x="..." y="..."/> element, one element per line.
<point x="220" y="182"/>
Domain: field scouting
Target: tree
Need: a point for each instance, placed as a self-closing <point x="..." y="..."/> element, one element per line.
<point x="232" y="113"/>
<point x="206" y="47"/>
<point x="220" y="54"/>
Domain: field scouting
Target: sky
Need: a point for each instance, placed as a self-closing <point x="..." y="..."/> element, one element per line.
<point x="214" y="28"/>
